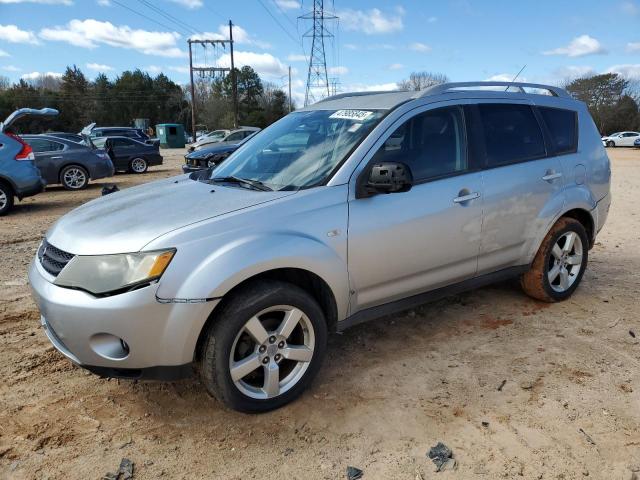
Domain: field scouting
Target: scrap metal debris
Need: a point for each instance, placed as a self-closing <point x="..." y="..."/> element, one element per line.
<point x="441" y="455"/>
<point x="125" y="471"/>
<point x="587" y="436"/>
<point x="354" y="473"/>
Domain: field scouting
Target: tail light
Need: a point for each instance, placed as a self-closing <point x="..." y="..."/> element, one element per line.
<point x="26" y="153"/>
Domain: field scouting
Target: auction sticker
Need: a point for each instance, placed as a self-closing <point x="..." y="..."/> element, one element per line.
<point x="357" y="115"/>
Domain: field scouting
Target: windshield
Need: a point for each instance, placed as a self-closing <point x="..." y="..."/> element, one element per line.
<point x="301" y="150"/>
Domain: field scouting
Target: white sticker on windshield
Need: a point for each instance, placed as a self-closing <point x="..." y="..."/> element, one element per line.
<point x="357" y="115"/>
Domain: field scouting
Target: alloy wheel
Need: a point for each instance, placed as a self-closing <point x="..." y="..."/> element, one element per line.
<point x="74" y="178"/>
<point x="565" y="262"/>
<point x="138" y="165"/>
<point x="3" y="199"/>
<point x="272" y="352"/>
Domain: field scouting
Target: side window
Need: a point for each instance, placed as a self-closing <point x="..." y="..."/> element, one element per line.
<point x="55" y="146"/>
<point x="511" y="134"/>
<point x="563" y="128"/>
<point x="38" y="145"/>
<point x="234" y="136"/>
<point x="432" y="144"/>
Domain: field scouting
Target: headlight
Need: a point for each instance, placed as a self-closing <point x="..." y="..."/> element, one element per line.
<point x="100" y="274"/>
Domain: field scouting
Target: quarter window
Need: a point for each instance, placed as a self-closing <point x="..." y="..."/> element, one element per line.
<point x="431" y="144"/>
<point x="562" y="126"/>
<point x="511" y="134"/>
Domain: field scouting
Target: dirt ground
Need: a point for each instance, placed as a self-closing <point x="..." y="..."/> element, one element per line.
<point x="569" y="406"/>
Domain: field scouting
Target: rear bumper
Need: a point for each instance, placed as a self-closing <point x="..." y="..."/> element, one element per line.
<point x="102" y="169"/>
<point x="33" y="187"/>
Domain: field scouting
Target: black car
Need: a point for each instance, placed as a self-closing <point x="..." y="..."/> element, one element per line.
<point x="67" y="162"/>
<point x="135" y="133"/>
<point x="128" y="154"/>
<point x="212" y="156"/>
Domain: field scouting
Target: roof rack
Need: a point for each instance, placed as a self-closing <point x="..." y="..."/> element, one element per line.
<point x="457" y="86"/>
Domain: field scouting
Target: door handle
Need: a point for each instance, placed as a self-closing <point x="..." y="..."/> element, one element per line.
<point x="56" y="158"/>
<point x="466" y="198"/>
<point x="549" y="177"/>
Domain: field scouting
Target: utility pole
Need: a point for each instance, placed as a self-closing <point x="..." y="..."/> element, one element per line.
<point x="234" y="80"/>
<point x="211" y="71"/>
<point x="193" y="97"/>
<point x="290" y="105"/>
<point x="317" y="79"/>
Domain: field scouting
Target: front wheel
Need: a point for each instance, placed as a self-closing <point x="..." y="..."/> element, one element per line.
<point x="611" y="144"/>
<point x="558" y="266"/>
<point x="265" y="347"/>
<point x="138" y="165"/>
<point x="6" y="198"/>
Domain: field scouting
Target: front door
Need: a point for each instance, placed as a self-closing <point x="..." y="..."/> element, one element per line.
<point x="402" y="244"/>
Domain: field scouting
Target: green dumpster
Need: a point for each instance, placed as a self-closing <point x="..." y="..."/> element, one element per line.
<point x="171" y="135"/>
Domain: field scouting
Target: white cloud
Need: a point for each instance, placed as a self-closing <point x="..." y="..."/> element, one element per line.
<point x="11" y="68"/>
<point x="395" y="66"/>
<point x="578" y="47"/>
<point x="297" y="58"/>
<point x="36" y="75"/>
<point x="99" y="67"/>
<point x="372" y="22"/>
<point x="573" y="71"/>
<point x="351" y="46"/>
<point x="263" y="63"/>
<point x="432" y="19"/>
<point x="633" y="47"/>
<point x="179" y="69"/>
<point x="365" y="87"/>
<point x="505" y="77"/>
<point x="339" y="70"/>
<point x="3" y="53"/>
<point x="288" y="4"/>
<point x="47" y="2"/>
<point x="420" y="47"/>
<point x="11" y="33"/>
<point x="630" y="8"/>
<point x="191" y="4"/>
<point x="104" y="3"/>
<point x="629" y="71"/>
<point x="91" y="33"/>
<point x="155" y="69"/>
<point x="240" y="36"/>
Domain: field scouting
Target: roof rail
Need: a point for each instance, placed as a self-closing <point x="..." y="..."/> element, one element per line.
<point x="447" y="87"/>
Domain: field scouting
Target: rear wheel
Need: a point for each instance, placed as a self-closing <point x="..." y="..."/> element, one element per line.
<point x="558" y="266"/>
<point x="6" y="198"/>
<point x="265" y="347"/>
<point x="74" y="177"/>
<point x="138" y="165"/>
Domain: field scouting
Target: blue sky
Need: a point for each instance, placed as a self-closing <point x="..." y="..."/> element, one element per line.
<point x="376" y="43"/>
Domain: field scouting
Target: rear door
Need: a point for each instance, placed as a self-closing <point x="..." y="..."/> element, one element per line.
<point x="49" y="158"/>
<point x="122" y="149"/>
<point x="522" y="183"/>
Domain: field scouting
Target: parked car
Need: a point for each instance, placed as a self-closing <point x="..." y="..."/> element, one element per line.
<point x="621" y="139"/>
<point x="211" y="155"/>
<point x="134" y="133"/>
<point x="74" y="137"/>
<point x="19" y="175"/>
<point x="316" y="225"/>
<point x="67" y="162"/>
<point x="233" y="136"/>
<point x="128" y="154"/>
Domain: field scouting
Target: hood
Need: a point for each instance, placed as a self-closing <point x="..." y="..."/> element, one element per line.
<point x="128" y="220"/>
<point x="222" y="147"/>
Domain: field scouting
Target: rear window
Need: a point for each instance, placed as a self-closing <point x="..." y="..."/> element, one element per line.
<point x="511" y="134"/>
<point x="563" y="128"/>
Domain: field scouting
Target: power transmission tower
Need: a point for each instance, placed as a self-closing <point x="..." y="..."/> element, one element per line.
<point x="317" y="79"/>
<point x="211" y="71"/>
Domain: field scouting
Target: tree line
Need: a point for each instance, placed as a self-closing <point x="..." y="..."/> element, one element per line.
<point x="136" y="94"/>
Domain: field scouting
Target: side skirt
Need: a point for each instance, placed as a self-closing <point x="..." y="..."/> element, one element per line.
<point x="411" y="302"/>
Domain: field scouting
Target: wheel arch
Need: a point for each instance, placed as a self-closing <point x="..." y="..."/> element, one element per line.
<point x="7" y="181"/>
<point x="310" y="282"/>
<point x="586" y="219"/>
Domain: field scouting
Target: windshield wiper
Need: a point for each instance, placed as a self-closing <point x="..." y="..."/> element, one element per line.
<point x="258" y="185"/>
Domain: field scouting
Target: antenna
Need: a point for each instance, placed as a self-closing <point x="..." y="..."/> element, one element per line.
<point x="517" y="75"/>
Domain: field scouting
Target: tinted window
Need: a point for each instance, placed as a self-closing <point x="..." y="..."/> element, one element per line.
<point x="40" y="145"/>
<point x="431" y="144"/>
<point x="511" y="133"/>
<point x="562" y="126"/>
<point x="122" y="142"/>
<point x="235" y="136"/>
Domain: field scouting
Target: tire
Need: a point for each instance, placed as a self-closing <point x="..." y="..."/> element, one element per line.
<point x="262" y="308"/>
<point x="74" y="177"/>
<point x="555" y="272"/>
<point x="138" y="165"/>
<point x="611" y="144"/>
<point x="6" y="198"/>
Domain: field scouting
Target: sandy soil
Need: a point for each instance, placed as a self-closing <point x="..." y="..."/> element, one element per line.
<point x="389" y="390"/>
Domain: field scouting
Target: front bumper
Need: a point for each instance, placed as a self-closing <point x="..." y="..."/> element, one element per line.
<point x="161" y="337"/>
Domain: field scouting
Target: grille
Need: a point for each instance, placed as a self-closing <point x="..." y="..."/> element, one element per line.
<point x="52" y="259"/>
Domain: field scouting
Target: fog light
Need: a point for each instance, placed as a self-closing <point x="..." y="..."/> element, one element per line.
<point x="109" y="346"/>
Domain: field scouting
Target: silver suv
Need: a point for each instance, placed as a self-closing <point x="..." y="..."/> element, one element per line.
<point x="359" y="206"/>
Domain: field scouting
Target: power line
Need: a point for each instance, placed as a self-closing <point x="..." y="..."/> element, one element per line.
<point x="278" y="22"/>
<point x="169" y="17"/>
<point x="286" y="16"/>
<point x="145" y="16"/>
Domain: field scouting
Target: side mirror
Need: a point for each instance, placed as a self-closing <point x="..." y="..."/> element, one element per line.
<point x="388" y="177"/>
